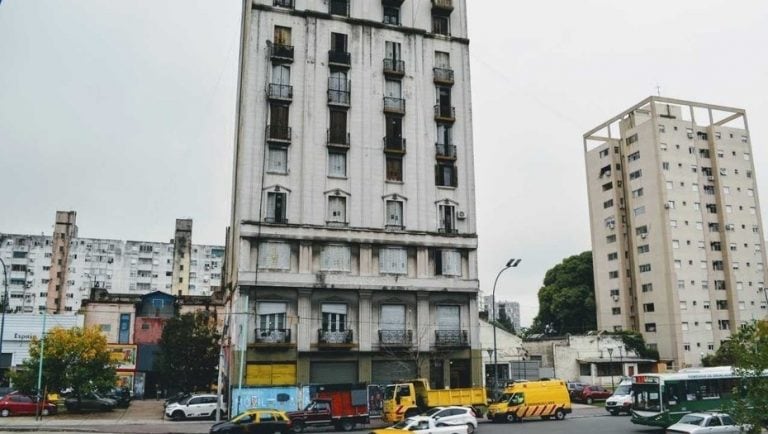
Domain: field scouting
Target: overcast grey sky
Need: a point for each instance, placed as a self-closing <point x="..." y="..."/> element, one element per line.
<point x="123" y="111"/>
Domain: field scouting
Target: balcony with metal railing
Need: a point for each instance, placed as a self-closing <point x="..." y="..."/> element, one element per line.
<point x="394" y="105"/>
<point x="280" y="92"/>
<point x="340" y="98"/>
<point x="442" y="76"/>
<point x="445" y="113"/>
<point x="334" y="339"/>
<point x="396" y="338"/>
<point x="442" y="7"/>
<point x="445" y="152"/>
<point x="394" y="67"/>
<point x="451" y="338"/>
<point x="339" y="58"/>
<point x="266" y="338"/>
<point x="276" y="220"/>
<point x="337" y="139"/>
<point x="281" y="53"/>
<point x="395" y="145"/>
<point x="392" y="2"/>
<point x="280" y="134"/>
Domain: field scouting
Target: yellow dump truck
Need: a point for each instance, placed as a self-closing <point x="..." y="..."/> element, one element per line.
<point x="412" y="397"/>
<point x="544" y="399"/>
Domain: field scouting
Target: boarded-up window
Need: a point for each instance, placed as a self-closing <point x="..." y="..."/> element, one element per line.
<point x="338" y="128"/>
<point x="337" y="164"/>
<point x="281" y="74"/>
<point x="277" y="160"/>
<point x="450" y="262"/>
<point x="335" y="258"/>
<point x="393" y="89"/>
<point x="274" y="256"/>
<point x="393" y="260"/>
<point x="442" y="60"/>
<point x="270" y="374"/>
<point x="278" y="116"/>
<point x="395" y="169"/>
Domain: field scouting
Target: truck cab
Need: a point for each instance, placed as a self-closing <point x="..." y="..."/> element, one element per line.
<point x="340" y="406"/>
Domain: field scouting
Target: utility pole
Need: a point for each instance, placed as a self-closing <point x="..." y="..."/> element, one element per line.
<point x="40" y="366"/>
<point x="5" y="307"/>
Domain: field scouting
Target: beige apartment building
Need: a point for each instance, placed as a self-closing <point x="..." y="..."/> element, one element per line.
<point x="677" y="234"/>
<point x="352" y="252"/>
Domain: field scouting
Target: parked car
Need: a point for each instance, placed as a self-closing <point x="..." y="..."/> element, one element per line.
<point x="574" y="389"/>
<point x="621" y="400"/>
<point x="255" y="421"/>
<point x="444" y="416"/>
<point x="706" y="422"/>
<point x="590" y="394"/>
<point x="421" y="425"/>
<point x="195" y="406"/>
<point x="16" y="403"/>
<point x="176" y="398"/>
<point x="91" y="401"/>
<point x="121" y="395"/>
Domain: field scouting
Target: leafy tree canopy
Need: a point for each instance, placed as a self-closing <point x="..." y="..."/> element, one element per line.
<point x="749" y="349"/>
<point x="634" y="341"/>
<point x="567" y="299"/>
<point x="189" y="352"/>
<point x="76" y="358"/>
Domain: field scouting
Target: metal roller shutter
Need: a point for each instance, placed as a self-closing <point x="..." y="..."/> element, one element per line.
<point x="388" y="372"/>
<point x="333" y="372"/>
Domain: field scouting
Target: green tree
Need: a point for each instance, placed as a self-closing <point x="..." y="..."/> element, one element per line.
<point x="634" y="341"/>
<point x="76" y="358"/>
<point x="189" y="352"/>
<point x="724" y="356"/>
<point x="749" y="348"/>
<point x="504" y="322"/>
<point x="567" y="299"/>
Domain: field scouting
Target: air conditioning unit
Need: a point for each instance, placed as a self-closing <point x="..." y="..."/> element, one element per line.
<point x="615" y="298"/>
<point x="644" y="235"/>
<point x="710" y="178"/>
<point x="460" y="215"/>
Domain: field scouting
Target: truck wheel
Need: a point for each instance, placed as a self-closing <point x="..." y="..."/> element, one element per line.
<point x="470" y="428"/>
<point x="560" y="414"/>
<point x="298" y="426"/>
<point x="346" y="425"/>
<point x="510" y="417"/>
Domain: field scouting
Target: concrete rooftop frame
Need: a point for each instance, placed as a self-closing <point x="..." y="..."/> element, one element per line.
<point x="603" y="132"/>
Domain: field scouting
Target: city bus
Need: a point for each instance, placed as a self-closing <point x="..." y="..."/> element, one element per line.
<point x="662" y="399"/>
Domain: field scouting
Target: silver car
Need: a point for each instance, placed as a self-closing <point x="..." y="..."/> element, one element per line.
<point x="444" y="416"/>
<point x="706" y="422"/>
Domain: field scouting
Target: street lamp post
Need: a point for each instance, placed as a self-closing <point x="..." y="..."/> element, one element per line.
<point x="610" y="365"/>
<point x="510" y="264"/>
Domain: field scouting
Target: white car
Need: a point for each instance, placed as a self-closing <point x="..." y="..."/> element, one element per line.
<point x="707" y="422"/>
<point x="195" y="406"/>
<point x="454" y="416"/>
<point x="421" y="425"/>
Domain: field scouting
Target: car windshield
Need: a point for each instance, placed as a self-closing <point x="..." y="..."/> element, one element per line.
<point x="622" y="390"/>
<point x="243" y="417"/>
<point x="504" y="397"/>
<point x="646" y="397"/>
<point x="185" y="400"/>
<point x="432" y="411"/>
<point x="692" y="419"/>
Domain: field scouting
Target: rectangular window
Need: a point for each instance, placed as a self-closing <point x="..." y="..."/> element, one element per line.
<point x="446" y="215"/>
<point x="685" y="328"/>
<point x="639" y="211"/>
<point x="337" y="209"/>
<point x="638" y="192"/>
<point x="445" y="175"/>
<point x="723" y="324"/>
<point x="447" y="262"/>
<point x="339" y="7"/>
<point x="633" y="156"/>
<point x="335" y="258"/>
<point x="650" y="327"/>
<point x="276" y="202"/>
<point x="393" y="260"/>
<point x="608" y="203"/>
<point x="648" y="307"/>
<point x="271" y="318"/>
<point x="616" y="311"/>
<point x="645" y="248"/>
<point x="125" y="328"/>
<point x="613" y="256"/>
<point x="681" y="284"/>
<point x="610" y="239"/>
<point x="636" y="174"/>
<point x="274" y="256"/>
<point x="644" y="268"/>
<point x="334" y="317"/>
<point x="441" y="25"/>
<point x="337" y="132"/>
<point x="394" y="169"/>
<point x="613" y="274"/>
<point x="394" y="214"/>
<point x="277" y="160"/>
<point x="337" y="164"/>
<point x="282" y="35"/>
<point x="392" y="317"/>
<point x="721" y="304"/>
<point x="392" y="15"/>
<point x="607" y="186"/>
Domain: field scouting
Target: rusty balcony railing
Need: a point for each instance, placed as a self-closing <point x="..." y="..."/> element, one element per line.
<point x="273" y="336"/>
<point x="451" y="338"/>
<point x="396" y="338"/>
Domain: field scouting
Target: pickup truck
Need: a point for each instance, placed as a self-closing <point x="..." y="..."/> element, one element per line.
<point x="413" y="397"/>
<point x="421" y="425"/>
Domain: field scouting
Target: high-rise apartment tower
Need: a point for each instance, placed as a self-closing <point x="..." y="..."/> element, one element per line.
<point x="352" y="252"/>
<point x="677" y="237"/>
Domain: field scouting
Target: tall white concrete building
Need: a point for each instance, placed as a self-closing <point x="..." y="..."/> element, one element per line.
<point x="510" y="308"/>
<point x="677" y="237"/>
<point x="44" y="271"/>
<point x="353" y="251"/>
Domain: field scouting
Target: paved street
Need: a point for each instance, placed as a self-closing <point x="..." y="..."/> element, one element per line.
<point x="145" y="417"/>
